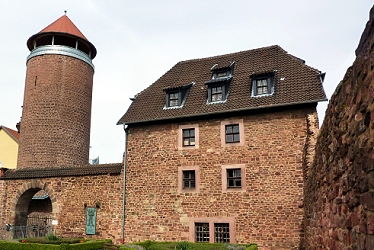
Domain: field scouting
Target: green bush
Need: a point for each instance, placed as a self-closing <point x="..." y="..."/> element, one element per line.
<point x="131" y="247"/>
<point x="26" y="246"/>
<point x="88" y="245"/>
<point x="152" y="245"/>
<point x="184" y="245"/>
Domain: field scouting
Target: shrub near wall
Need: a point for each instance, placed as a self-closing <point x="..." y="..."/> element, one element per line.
<point x="89" y="245"/>
<point x="152" y="245"/>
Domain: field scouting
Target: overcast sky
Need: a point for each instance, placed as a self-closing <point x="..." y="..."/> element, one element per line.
<point x="138" y="41"/>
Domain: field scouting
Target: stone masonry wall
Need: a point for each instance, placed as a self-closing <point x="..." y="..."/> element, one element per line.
<point x="339" y="191"/>
<point x="69" y="196"/>
<point x="269" y="211"/>
<point x="56" y="115"/>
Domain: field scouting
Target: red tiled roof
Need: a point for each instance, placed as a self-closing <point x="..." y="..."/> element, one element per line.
<point x="30" y="173"/>
<point x="64" y="25"/>
<point x="300" y="84"/>
<point x="11" y="132"/>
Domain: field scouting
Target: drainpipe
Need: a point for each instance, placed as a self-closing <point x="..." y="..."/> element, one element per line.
<point x="124" y="187"/>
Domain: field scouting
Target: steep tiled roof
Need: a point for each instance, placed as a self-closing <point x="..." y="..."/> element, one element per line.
<point x="11" y="132"/>
<point x="30" y="173"/>
<point x="300" y="84"/>
<point x="62" y="25"/>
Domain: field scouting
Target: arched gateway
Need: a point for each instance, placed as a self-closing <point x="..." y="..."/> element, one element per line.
<point x="34" y="210"/>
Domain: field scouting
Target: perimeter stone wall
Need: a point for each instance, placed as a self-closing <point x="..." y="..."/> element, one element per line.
<point x="339" y="189"/>
<point x="69" y="196"/>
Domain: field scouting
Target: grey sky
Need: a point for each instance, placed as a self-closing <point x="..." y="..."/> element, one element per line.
<point x="138" y="41"/>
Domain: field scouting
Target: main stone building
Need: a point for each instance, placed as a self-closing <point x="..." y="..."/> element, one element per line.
<point x="217" y="150"/>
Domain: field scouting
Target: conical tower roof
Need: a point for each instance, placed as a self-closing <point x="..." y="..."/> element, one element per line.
<point x="63" y="25"/>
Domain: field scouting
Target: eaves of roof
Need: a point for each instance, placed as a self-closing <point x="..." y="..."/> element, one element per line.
<point x="31" y="173"/>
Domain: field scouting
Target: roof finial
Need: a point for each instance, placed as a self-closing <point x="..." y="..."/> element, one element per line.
<point x="65" y="12"/>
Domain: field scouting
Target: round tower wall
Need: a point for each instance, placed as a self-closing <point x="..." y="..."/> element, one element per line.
<point x="56" y="115"/>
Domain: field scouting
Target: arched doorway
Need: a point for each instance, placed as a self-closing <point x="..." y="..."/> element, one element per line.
<point x="33" y="214"/>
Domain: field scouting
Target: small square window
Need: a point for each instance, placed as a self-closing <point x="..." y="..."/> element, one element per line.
<point x="189" y="180"/>
<point x="188" y="137"/>
<point x="221" y="232"/>
<point x="234" y="178"/>
<point x="173" y="99"/>
<point x="202" y="232"/>
<point x="232" y="133"/>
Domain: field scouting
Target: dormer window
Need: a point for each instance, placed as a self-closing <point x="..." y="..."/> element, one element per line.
<point x="263" y="85"/>
<point x="216" y="93"/>
<point x="175" y="97"/>
<point x="222" y="74"/>
<point x="218" y="86"/>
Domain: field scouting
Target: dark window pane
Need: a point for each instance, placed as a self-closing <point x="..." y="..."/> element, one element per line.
<point x="236" y="138"/>
<point x="228" y="129"/>
<point x="236" y="129"/>
<point x="192" y="184"/>
<point x="237" y="172"/>
<point x="192" y="132"/>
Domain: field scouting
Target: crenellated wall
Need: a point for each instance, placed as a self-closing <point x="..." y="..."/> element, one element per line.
<point x="339" y="188"/>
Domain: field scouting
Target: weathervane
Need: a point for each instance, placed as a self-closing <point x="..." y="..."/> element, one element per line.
<point x="65" y="12"/>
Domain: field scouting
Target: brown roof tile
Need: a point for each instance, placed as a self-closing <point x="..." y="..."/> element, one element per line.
<point x="30" y="173"/>
<point x="301" y="84"/>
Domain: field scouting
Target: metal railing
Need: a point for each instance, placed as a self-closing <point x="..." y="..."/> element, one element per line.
<point x="18" y="232"/>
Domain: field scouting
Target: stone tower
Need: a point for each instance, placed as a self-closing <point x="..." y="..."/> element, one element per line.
<point x="56" y="115"/>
